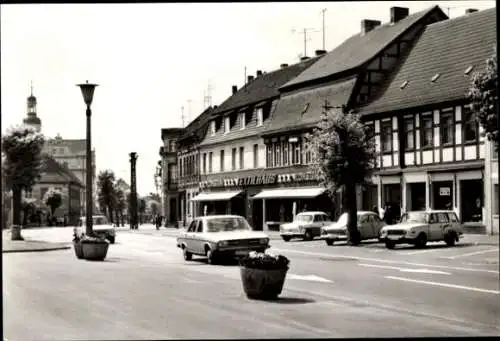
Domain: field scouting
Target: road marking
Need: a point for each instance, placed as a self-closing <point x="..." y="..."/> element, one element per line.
<point x="447" y="285"/>
<point x="420" y="251"/>
<point x="308" y="278"/>
<point x="429" y="271"/>
<point x="385" y="261"/>
<point x="472" y="253"/>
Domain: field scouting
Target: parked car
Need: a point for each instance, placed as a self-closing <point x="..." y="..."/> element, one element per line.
<point x="305" y="225"/>
<point x="419" y="227"/>
<point x="100" y="226"/>
<point x="369" y="226"/>
<point x="221" y="236"/>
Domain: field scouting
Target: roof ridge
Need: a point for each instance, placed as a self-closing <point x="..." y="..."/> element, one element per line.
<point x="459" y="18"/>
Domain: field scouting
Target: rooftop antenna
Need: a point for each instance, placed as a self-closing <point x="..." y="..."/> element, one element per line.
<point x="207" y="99"/>
<point x="305" y="31"/>
<point x="31" y="87"/>
<point x="189" y="109"/>
<point x="245" y="79"/>
<point x="182" y="116"/>
<point x="323" y="13"/>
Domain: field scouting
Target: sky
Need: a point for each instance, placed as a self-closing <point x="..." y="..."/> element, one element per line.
<point x="154" y="62"/>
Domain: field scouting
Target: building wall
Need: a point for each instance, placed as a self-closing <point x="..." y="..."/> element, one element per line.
<point x="492" y="194"/>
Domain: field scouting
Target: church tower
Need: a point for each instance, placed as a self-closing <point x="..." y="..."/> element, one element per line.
<point x="32" y="120"/>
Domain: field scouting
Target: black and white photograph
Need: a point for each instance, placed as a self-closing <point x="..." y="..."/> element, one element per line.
<point x="253" y="170"/>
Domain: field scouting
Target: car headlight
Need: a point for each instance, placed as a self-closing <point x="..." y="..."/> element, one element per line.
<point x="411" y="231"/>
<point x="264" y="240"/>
<point x="222" y="243"/>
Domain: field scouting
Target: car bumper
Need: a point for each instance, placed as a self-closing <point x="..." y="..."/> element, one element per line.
<point x="397" y="239"/>
<point x="241" y="250"/>
<point x="334" y="236"/>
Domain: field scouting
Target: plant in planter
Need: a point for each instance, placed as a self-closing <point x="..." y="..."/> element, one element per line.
<point x="263" y="274"/>
<point x="94" y="247"/>
<point x="77" y="237"/>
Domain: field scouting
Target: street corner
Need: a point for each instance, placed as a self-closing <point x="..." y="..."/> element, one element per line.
<point x="27" y="245"/>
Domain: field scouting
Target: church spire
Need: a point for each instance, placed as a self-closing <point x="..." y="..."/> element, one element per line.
<point x="32" y="119"/>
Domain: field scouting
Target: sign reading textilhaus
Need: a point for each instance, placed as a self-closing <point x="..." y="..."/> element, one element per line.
<point x="258" y="180"/>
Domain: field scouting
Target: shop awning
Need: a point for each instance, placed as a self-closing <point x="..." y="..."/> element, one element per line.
<point x="307" y="192"/>
<point x="216" y="196"/>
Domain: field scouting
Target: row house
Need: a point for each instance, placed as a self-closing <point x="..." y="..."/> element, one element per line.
<point x="431" y="152"/>
<point x="344" y="79"/>
<point x="232" y="154"/>
<point x="188" y="156"/>
<point x="169" y="175"/>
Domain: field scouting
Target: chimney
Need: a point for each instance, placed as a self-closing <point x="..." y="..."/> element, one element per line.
<point x="470" y="10"/>
<point x="320" y="52"/>
<point x="304" y="58"/>
<point x="235" y="89"/>
<point x="250" y="78"/>
<point x="367" y="25"/>
<point x="398" y="13"/>
<point x="283" y="65"/>
<point x="259" y="73"/>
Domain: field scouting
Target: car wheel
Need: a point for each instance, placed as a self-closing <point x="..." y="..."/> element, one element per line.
<point x="187" y="255"/>
<point x="286" y="238"/>
<point x="390" y="244"/>
<point x="329" y="242"/>
<point x="211" y="257"/>
<point x="421" y="241"/>
<point x="450" y="239"/>
<point x="308" y="235"/>
<point x="111" y="240"/>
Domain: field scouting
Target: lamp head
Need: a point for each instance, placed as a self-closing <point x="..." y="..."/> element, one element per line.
<point x="87" y="92"/>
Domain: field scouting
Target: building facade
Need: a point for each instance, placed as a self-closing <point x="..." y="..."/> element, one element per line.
<point x="431" y="149"/>
<point x="170" y="192"/>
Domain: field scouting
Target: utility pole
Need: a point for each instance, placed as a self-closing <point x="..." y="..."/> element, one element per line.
<point x="323" y="13"/>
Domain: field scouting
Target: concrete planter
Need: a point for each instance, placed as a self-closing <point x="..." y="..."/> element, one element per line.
<point x="262" y="284"/>
<point x="16" y="233"/>
<point x="95" y="250"/>
<point x="78" y="250"/>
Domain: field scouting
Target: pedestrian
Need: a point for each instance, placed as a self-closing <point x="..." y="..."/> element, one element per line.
<point x="388" y="213"/>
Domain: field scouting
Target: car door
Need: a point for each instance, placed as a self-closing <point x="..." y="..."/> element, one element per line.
<point x="198" y="237"/>
<point x="317" y="223"/>
<point x="188" y="237"/>
<point x="454" y="222"/>
<point x="377" y="224"/>
<point x="434" y="227"/>
<point x="364" y="226"/>
<point x="444" y="224"/>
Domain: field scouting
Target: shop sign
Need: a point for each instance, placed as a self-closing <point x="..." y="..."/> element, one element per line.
<point x="444" y="191"/>
<point x="259" y="180"/>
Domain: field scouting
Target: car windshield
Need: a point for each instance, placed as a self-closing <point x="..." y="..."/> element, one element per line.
<point x="343" y="218"/>
<point x="303" y="218"/>
<point x="414" y="217"/>
<point x="96" y="221"/>
<point x="227" y="224"/>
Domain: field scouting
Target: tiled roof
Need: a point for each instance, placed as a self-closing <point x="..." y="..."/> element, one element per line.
<point x="264" y="87"/>
<point x="76" y="146"/>
<point x="50" y="165"/>
<point x="359" y="49"/>
<point x="196" y="129"/>
<point x="235" y="133"/>
<point x="290" y="109"/>
<point x="447" y="48"/>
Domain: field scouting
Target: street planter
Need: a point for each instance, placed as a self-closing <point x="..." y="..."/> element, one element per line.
<point x="263" y="275"/>
<point x="95" y="249"/>
<point x="78" y="249"/>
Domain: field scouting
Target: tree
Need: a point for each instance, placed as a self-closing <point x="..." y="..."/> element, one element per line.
<point x="106" y="192"/>
<point x="484" y="99"/>
<point x="120" y="205"/>
<point x="343" y="155"/>
<point x="53" y="199"/>
<point x="153" y="207"/>
<point x="28" y="207"/>
<point x="22" y="166"/>
<point x="141" y="207"/>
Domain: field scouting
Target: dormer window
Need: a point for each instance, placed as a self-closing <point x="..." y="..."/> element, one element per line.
<point x="468" y="70"/>
<point x="435" y="78"/>
<point x="242" y="120"/>
<point x="403" y="85"/>
<point x="260" y="117"/>
<point x="226" y="124"/>
<point x="212" y="128"/>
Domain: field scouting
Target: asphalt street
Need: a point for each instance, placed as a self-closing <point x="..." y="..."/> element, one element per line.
<point x="146" y="290"/>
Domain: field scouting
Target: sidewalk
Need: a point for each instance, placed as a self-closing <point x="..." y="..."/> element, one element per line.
<point x="481" y="239"/>
<point x="28" y="245"/>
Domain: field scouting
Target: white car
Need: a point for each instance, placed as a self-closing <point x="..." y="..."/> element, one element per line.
<point x="221" y="236"/>
<point x="100" y="226"/>
<point x="369" y="226"/>
<point x="419" y="227"/>
<point x="305" y="225"/>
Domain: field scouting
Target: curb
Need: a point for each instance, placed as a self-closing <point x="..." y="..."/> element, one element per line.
<point x="54" y="248"/>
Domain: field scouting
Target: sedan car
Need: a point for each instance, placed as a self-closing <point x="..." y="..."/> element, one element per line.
<point x="100" y="226"/>
<point x="419" y="227"/>
<point x="369" y="225"/>
<point x="220" y="236"/>
<point x="305" y="225"/>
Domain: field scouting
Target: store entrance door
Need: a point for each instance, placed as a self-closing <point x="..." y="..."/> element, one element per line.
<point x="471" y="200"/>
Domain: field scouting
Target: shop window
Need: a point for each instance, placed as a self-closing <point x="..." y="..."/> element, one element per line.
<point x="233" y="160"/>
<point x="386" y="136"/>
<point x="210" y="157"/>
<point x="255" y="156"/>
<point x="242" y="157"/>
<point x="409" y="130"/>
<point x="447" y="127"/>
<point x="204" y="163"/>
<point x="426" y="126"/>
<point x="470" y="125"/>
<point x="222" y="160"/>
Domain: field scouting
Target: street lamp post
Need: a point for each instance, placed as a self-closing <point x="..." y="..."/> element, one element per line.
<point x="134" y="221"/>
<point x="88" y="95"/>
